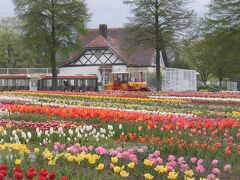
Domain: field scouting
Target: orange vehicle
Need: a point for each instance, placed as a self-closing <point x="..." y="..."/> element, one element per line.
<point x="120" y="81"/>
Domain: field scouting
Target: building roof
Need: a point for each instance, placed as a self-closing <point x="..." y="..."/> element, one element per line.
<point x="13" y="76"/>
<point x="140" y="56"/>
<point x="90" y="76"/>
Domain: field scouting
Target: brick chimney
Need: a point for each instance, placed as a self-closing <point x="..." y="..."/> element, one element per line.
<point x="103" y="30"/>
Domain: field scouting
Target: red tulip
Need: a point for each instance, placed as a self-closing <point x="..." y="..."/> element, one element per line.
<point x="31" y="170"/>
<point x="1" y="176"/>
<point x="227" y="151"/>
<point x="18" y="175"/>
<point x="30" y="174"/>
<point x="41" y="178"/>
<point x="64" y="178"/>
<point x="3" y="172"/>
<point x="17" y="169"/>
<point x="3" y="167"/>
<point x="43" y="172"/>
<point x="52" y="175"/>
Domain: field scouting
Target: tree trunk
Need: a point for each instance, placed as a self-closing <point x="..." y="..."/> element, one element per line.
<point x="204" y="78"/>
<point x="164" y="55"/>
<point x="158" y="70"/>
<point x="157" y="48"/>
<point x="54" y="71"/>
<point x="220" y="83"/>
<point x="53" y="49"/>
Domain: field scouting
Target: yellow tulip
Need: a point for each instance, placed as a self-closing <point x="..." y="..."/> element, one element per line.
<point x="148" y="176"/>
<point x="100" y="167"/>
<point x="131" y="165"/>
<point x="71" y="158"/>
<point x="188" y="178"/>
<point x="91" y="160"/>
<point x="116" y="169"/>
<point x="147" y="162"/>
<point x="160" y="169"/>
<point x="52" y="162"/>
<point x="18" y="161"/>
<point x="1" y="129"/>
<point x="189" y="173"/>
<point x="8" y="126"/>
<point x="172" y="175"/>
<point x="36" y="150"/>
<point x="124" y="174"/>
<point x="114" y="160"/>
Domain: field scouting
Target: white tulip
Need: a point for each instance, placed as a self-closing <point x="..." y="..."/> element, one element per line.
<point x="14" y="132"/>
<point x="51" y="130"/>
<point x="70" y="131"/>
<point x="46" y="133"/>
<point x="24" y="135"/>
<point x="29" y="134"/>
<point x="77" y="130"/>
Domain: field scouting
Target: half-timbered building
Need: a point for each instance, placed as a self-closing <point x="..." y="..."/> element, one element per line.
<point x="104" y="53"/>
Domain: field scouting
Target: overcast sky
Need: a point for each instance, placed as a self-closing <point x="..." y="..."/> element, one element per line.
<point x="111" y="12"/>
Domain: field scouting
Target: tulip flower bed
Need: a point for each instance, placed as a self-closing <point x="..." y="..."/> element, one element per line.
<point x="116" y="135"/>
<point x="223" y="107"/>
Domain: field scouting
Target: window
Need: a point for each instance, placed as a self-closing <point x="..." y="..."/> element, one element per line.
<point x="97" y="54"/>
<point x="2" y="82"/>
<point x="21" y="82"/>
<point x="141" y="77"/>
<point x="11" y="82"/>
<point x="48" y="82"/>
<point x="105" y="79"/>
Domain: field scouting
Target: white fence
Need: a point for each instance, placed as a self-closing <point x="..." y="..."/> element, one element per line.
<point x="25" y="70"/>
<point x="226" y="85"/>
<point x="179" y="80"/>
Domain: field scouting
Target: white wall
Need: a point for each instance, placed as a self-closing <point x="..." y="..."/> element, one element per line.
<point x="119" y="68"/>
<point x="85" y="70"/>
<point x="79" y="70"/>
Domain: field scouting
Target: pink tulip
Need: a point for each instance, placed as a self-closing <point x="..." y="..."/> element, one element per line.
<point x="216" y="171"/>
<point x="156" y="153"/>
<point x="200" y="169"/>
<point x="199" y="162"/>
<point x="227" y="167"/>
<point x="193" y="159"/>
<point x="211" y="177"/>
<point x="214" y="162"/>
<point x="171" y="158"/>
<point x="180" y="160"/>
<point x="140" y="150"/>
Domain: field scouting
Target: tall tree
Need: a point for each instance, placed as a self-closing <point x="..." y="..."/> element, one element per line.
<point x="223" y="14"/>
<point x="198" y="54"/>
<point x="13" y="51"/>
<point x="223" y="31"/>
<point x="52" y="23"/>
<point x="224" y="57"/>
<point x="157" y="23"/>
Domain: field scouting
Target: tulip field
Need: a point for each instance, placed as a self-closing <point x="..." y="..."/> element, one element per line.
<point x="119" y="135"/>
